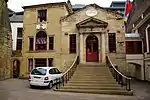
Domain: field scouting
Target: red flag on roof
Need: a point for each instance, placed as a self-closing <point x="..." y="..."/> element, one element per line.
<point x="128" y="7"/>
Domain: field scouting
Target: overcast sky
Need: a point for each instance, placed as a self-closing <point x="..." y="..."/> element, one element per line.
<point x="16" y="5"/>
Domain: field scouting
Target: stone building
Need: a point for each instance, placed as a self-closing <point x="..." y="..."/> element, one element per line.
<point x="54" y="34"/>
<point x="5" y="42"/>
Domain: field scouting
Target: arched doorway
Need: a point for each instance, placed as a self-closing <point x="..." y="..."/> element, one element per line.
<point x="92" y="49"/>
<point x="16" y="68"/>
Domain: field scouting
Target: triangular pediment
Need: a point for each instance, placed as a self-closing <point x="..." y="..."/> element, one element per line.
<point x="92" y="22"/>
<point x="95" y="6"/>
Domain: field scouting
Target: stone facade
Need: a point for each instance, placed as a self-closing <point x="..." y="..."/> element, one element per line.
<point x="62" y="22"/>
<point x="5" y="42"/>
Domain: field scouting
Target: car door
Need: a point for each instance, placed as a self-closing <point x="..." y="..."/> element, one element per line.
<point x="52" y="74"/>
<point x="58" y="73"/>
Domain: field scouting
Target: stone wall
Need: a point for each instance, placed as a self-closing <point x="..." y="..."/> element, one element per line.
<point x="5" y="42"/>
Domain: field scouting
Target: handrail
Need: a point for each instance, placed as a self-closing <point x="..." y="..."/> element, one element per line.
<point x="71" y="65"/>
<point x="117" y="70"/>
<point x="67" y="75"/>
<point x="120" y="78"/>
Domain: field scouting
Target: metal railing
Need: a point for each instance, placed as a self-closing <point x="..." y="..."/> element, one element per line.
<point x="120" y="78"/>
<point x="67" y="75"/>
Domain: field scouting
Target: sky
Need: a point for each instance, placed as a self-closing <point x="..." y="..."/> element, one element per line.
<point x="16" y="5"/>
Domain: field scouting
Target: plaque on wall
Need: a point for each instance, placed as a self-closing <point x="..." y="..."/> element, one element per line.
<point x="91" y="12"/>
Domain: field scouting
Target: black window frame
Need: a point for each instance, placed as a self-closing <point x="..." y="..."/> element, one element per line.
<point x="112" y="42"/>
<point x="72" y="43"/>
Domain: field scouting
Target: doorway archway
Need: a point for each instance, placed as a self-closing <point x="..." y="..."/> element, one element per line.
<point x="92" y="54"/>
<point x="16" y="68"/>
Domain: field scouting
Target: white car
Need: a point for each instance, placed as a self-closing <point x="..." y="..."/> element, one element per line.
<point x="44" y="76"/>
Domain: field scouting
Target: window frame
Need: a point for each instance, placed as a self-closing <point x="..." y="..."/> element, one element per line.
<point x="38" y="38"/>
<point x="135" y="47"/>
<point x="19" y="32"/>
<point x="112" y="43"/>
<point x="72" y="43"/>
<point x="31" y="47"/>
<point x="40" y="59"/>
<point x="51" y="43"/>
<point x="19" y="46"/>
<point x="39" y="16"/>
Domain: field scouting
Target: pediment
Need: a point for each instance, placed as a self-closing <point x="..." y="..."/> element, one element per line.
<point x="92" y="22"/>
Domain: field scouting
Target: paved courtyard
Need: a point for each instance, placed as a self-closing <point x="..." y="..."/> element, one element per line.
<point x="15" y="89"/>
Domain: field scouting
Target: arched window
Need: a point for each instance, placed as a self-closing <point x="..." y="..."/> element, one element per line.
<point x="41" y="41"/>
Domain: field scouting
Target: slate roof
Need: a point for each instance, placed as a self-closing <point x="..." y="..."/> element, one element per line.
<point x="16" y="17"/>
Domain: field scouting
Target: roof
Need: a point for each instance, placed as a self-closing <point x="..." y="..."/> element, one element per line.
<point x="117" y="2"/>
<point x="95" y="20"/>
<point x="46" y="4"/>
<point x="133" y="35"/>
<point x="96" y="6"/>
<point x="16" y="17"/>
<point x="78" y="6"/>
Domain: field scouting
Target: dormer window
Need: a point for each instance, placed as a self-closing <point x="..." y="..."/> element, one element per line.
<point x="42" y="16"/>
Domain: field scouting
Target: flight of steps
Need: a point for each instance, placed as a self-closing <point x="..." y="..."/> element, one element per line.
<point x="93" y="79"/>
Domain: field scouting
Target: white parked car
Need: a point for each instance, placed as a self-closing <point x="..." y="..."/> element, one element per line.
<point x="44" y="76"/>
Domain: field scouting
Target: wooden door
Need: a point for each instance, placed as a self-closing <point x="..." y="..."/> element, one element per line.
<point x="92" y="49"/>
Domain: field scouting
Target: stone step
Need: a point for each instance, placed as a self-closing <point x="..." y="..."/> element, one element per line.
<point x="94" y="91"/>
<point x="97" y="77"/>
<point x="89" y="84"/>
<point x="91" y="79"/>
<point x="94" y="72"/>
<point x="92" y="87"/>
<point x="90" y="74"/>
<point x="92" y="82"/>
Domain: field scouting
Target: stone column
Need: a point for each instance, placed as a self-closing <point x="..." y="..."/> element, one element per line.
<point x="103" y="47"/>
<point x="34" y="43"/>
<point x="47" y="42"/>
<point x="81" y="48"/>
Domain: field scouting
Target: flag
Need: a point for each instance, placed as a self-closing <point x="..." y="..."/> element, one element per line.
<point x="128" y="7"/>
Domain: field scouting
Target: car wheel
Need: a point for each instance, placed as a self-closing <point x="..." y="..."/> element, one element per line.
<point x="31" y="86"/>
<point x="50" y="85"/>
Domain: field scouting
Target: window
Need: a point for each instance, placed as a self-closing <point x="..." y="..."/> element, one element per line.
<point x="133" y="47"/>
<point x="51" y="43"/>
<point x="50" y="62"/>
<point x="19" y="32"/>
<point x="42" y="15"/>
<point x="40" y="62"/>
<point x="19" y="44"/>
<point x="112" y="42"/>
<point x="39" y="71"/>
<point x="72" y="43"/>
<point x="31" y="41"/>
<point x="41" y="41"/>
<point x="30" y="65"/>
<point x="54" y="71"/>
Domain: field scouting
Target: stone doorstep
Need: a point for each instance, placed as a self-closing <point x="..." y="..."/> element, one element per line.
<point x="109" y="92"/>
<point x="85" y="84"/>
<point x="93" y="87"/>
<point x="93" y="82"/>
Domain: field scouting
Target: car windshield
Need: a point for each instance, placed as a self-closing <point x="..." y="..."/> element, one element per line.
<point x="39" y="71"/>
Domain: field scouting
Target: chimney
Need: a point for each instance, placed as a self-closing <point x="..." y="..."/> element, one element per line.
<point x="69" y="6"/>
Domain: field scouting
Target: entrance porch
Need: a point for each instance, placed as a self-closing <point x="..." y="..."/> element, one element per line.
<point x="92" y="40"/>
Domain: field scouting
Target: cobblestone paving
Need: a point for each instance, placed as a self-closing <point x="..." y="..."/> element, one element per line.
<point x="15" y="89"/>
